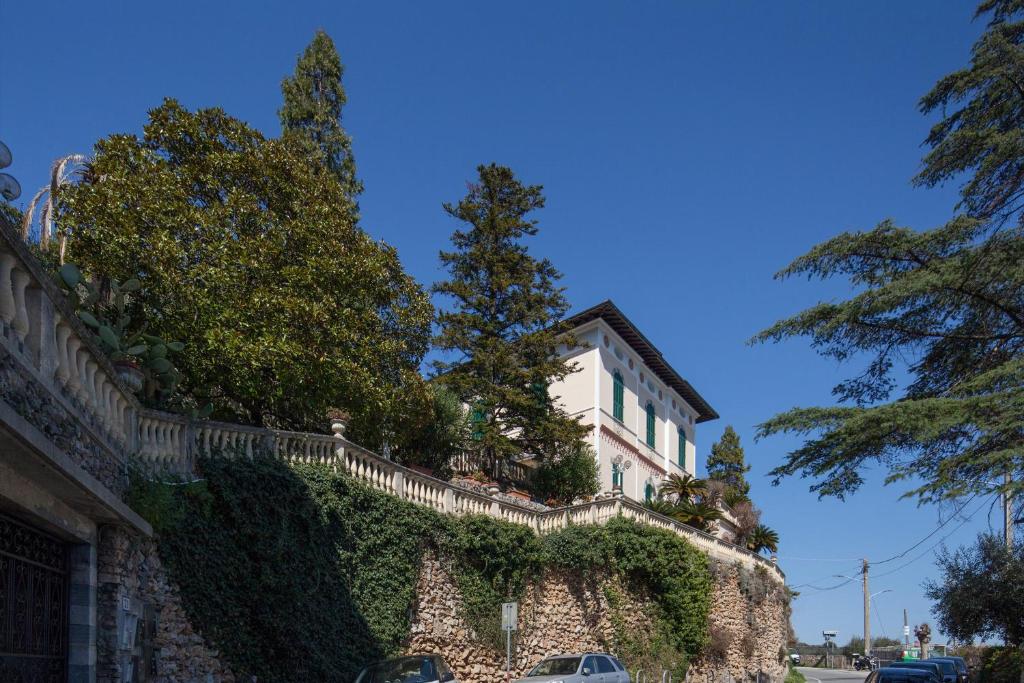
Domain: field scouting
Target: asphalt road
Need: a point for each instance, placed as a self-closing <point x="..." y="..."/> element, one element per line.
<point x="825" y="675"/>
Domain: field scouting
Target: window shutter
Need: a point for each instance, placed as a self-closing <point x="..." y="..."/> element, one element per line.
<point x="617" y="400"/>
<point x="650" y="425"/>
<point x="682" y="448"/>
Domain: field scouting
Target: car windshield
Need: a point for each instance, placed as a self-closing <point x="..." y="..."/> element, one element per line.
<point x="947" y="666"/>
<point x="401" y="670"/>
<point x="556" y="666"/>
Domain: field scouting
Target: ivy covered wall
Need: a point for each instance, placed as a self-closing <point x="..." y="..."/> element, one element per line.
<point x="299" y="573"/>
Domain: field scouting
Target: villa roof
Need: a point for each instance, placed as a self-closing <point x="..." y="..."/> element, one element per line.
<point x="651" y="356"/>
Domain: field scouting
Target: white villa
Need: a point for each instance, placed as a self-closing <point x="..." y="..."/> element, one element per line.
<point x="643" y="412"/>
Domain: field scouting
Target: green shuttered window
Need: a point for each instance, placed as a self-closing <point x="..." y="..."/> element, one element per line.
<point x="617" y="392"/>
<point x="650" y="424"/>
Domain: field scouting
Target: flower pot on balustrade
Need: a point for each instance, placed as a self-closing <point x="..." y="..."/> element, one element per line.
<point x="492" y="487"/>
<point x="521" y="495"/>
<point x="339" y="420"/>
<point x="130" y="372"/>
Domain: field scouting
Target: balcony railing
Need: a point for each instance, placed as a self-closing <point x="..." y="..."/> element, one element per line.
<point x="51" y="357"/>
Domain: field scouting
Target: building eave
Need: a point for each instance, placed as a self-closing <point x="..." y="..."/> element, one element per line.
<point x="649" y="354"/>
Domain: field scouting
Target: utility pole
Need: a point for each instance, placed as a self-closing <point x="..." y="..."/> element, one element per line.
<point x="1007" y="511"/>
<point x="906" y="629"/>
<point x="867" y="612"/>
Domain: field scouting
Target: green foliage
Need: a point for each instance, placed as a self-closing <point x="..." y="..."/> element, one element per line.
<point x="794" y="676"/>
<point x="674" y="573"/>
<point x="683" y="486"/>
<point x="107" y="307"/>
<point x="949" y="299"/>
<point x="436" y="429"/>
<point x="981" y="592"/>
<point x="504" y="323"/>
<point x="568" y="478"/>
<point x="313" y="99"/>
<point x="763" y="538"/>
<point x="982" y="126"/>
<point x="495" y="562"/>
<point x="300" y="573"/>
<point x="295" y="573"/>
<point x="993" y="664"/>
<point x="726" y="463"/>
<point x="250" y="253"/>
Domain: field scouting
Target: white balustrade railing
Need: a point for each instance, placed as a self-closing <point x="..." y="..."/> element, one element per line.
<point x="42" y="333"/>
<point x="173" y="442"/>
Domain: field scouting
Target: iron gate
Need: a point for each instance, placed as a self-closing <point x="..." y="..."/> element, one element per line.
<point x="33" y="605"/>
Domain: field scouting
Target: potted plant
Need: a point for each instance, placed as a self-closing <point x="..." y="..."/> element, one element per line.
<point x="519" y="493"/>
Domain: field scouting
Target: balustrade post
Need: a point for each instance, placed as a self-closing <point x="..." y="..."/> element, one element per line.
<point x="399" y="483"/>
<point x="449" y="500"/>
<point x="495" y="509"/>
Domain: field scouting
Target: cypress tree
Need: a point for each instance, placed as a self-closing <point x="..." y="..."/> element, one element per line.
<point x="313" y="99"/>
<point x="504" y="325"/>
<point x="726" y="463"/>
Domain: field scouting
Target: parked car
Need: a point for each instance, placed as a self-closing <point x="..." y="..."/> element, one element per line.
<point x="589" y="667"/>
<point x="412" y="669"/>
<point x="933" y="668"/>
<point x="893" y="674"/>
<point x="961" y="667"/>
<point x="795" y="658"/>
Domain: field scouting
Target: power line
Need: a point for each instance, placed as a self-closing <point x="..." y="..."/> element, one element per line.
<point x="930" y="535"/>
<point x="936" y="544"/>
<point x="819" y="559"/>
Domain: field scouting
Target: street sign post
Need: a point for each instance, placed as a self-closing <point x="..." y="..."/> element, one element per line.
<point x="509" y="623"/>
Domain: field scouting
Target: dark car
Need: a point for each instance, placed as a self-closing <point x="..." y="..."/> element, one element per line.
<point x="413" y="669"/>
<point x="961" y="667"/>
<point x="892" y="674"/>
<point x="948" y="669"/>
<point x="934" y="668"/>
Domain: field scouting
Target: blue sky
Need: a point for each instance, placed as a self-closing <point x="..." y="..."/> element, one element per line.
<point x="688" y="151"/>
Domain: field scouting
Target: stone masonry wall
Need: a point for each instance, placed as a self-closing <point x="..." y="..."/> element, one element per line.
<point x="567" y="613"/>
<point x="130" y="574"/>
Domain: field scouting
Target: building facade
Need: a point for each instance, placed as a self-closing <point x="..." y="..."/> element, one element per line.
<point x="644" y="414"/>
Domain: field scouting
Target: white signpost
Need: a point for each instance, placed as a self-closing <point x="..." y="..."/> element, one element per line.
<point x="509" y="623"/>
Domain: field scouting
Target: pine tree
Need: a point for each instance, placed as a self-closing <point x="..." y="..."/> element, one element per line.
<point x="313" y="99"/>
<point x="982" y="127"/>
<point x="945" y="305"/>
<point x="726" y="464"/>
<point x="504" y="325"/>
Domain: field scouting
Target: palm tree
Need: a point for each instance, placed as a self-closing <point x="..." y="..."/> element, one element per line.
<point x="697" y="514"/>
<point x="763" y="538"/>
<point x="683" y="486"/>
<point x="661" y="506"/>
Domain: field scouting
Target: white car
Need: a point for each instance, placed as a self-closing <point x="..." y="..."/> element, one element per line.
<point x="795" y="658"/>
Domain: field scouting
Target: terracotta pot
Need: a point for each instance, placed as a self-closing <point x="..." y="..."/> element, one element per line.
<point x="522" y="495"/>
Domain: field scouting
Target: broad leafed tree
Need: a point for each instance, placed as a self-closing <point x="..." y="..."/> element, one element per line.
<point x="251" y="254"/>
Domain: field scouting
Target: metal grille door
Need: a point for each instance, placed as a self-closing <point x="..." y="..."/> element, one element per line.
<point x="33" y="605"/>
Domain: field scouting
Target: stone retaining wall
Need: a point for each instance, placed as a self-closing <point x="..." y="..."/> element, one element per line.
<point x="131" y="575"/>
<point x="566" y="613"/>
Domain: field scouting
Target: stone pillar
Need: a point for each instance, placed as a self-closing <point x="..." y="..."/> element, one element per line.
<point x="399" y="484"/>
<point x="82" y="613"/>
<point x="449" y="501"/>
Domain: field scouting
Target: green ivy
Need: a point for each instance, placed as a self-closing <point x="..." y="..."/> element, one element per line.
<point x="301" y="573"/>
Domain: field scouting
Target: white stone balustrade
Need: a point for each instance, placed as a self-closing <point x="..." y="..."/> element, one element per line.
<point x="40" y="332"/>
<point x="38" y="329"/>
<point x="175" y="446"/>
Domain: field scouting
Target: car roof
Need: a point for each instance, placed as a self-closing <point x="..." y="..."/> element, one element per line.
<point x="905" y="671"/>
